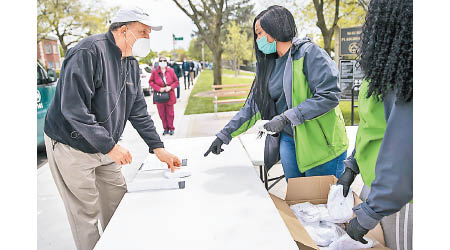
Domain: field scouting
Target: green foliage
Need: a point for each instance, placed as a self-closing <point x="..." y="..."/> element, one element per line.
<point x="195" y="50"/>
<point x="200" y="105"/>
<point x="148" y="58"/>
<point x="351" y="13"/>
<point x="237" y="45"/>
<point x="71" y="20"/>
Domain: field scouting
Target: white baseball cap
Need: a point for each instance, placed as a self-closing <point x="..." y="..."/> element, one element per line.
<point x="136" y="14"/>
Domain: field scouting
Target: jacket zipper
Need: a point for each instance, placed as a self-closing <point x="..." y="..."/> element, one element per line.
<point x="323" y="132"/>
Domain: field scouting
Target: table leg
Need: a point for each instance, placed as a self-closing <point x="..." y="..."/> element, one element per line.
<point x="266" y="182"/>
<point x="261" y="173"/>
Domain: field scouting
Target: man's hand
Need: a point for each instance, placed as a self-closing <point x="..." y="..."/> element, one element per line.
<point x="171" y="160"/>
<point x="346" y="180"/>
<point x="356" y="231"/>
<point x="277" y="124"/>
<point x="120" y="155"/>
<point x="216" y="147"/>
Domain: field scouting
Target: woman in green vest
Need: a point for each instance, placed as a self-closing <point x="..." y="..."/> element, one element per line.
<point x="384" y="143"/>
<point x="296" y="88"/>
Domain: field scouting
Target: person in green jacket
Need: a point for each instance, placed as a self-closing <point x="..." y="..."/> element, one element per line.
<point x="383" y="152"/>
<point x="296" y="88"/>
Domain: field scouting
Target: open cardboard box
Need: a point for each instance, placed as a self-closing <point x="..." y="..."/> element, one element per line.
<point x="315" y="190"/>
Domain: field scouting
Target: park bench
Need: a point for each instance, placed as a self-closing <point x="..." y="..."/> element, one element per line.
<point x="229" y="90"/>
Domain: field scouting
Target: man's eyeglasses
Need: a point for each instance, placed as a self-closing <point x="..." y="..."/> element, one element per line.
<point x="162" y="60"/>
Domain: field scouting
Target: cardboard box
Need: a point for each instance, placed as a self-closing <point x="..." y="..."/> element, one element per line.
<point x="315" y="190"/>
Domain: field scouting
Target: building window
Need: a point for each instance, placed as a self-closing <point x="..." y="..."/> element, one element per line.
<point x="57" y="65"/>
<point x="55" y="51"/>
<point x="50" y="65"/>
<point x="48" y="49"/>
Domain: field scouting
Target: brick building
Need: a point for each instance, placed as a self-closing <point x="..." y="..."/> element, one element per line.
<point x="48" y="53"/>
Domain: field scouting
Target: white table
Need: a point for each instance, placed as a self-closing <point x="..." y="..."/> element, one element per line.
<point x="254" y="147"/>
<point x="224" y="206"/>
<point x="255" y="151"/>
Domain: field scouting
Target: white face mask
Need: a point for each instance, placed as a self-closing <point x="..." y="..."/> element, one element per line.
<point x="141" y="46"/>
<point x="163" y="65"/>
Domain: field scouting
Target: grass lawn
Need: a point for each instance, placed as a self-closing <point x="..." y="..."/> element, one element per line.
<point x="200" y="105"/>
<point x="346" y="107"/>
<point x="241" y="73"/>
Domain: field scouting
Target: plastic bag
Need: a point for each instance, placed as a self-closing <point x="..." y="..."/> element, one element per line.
<point x="340" y="207"/>
<point x="311" y="217"/>
<point x="323" y="233"/>
<point x="346" y="243"/>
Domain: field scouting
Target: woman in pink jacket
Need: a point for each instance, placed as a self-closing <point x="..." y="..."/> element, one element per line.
<point x="165" y="110"/>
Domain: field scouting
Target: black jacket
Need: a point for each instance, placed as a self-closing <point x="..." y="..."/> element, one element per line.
<point x="96" y="94"/>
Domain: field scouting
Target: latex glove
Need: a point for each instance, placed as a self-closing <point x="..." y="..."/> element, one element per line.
<point x="346" y="180"/>
<point x="168" y="88"/>
<point x="163" y="89"/>
<point x="277" y="123"/>
<point x="216" y="147"/>
<point x="356" y="231"/>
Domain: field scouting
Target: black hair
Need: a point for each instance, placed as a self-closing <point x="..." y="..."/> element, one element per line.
<point x="115" y="26"/>
<point x="386" y="49"/>
<point x="279" y="23"/>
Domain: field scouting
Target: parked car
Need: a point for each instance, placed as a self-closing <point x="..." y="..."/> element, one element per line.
<point x="146" y="71"/>
<point x="46" y="85"/>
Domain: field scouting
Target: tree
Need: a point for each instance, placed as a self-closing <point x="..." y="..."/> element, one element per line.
<point x="211" y="17"/>
<point x="237" y="45"/>
<point x="148" y="58"/>
<point x="195" y="50"/>
<point x="70" y="20"/>
<point x="325" y="15"/>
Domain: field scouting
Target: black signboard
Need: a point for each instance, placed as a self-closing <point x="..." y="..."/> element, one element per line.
<point x="350" y="74"/>
<point x="350" y="40"/>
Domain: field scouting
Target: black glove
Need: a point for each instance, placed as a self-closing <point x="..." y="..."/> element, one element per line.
<point x="277" y="123"/>
<point x="216" y="147"/>
<point x="346" y="180"/>
<point x="356" y="231"/>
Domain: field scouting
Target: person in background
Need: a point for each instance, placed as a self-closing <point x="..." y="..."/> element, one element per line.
<point x="176" y="68"/>
<point x="99" y="90"/>
<point x="296" y="88"/>
<point x="196" y="68"/>
<point x="383" y="152"/>
<point x="163" y="79"/>
<point x="186" y="75"/>
<point x="192" y="71"/>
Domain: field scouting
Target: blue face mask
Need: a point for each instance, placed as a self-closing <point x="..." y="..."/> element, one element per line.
<point x="265" y="46"/>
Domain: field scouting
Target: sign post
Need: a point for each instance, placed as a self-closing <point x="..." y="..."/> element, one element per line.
<point x="350" y="40"/>
<point x="349" y="72"/>
<point x="175" y="39"/>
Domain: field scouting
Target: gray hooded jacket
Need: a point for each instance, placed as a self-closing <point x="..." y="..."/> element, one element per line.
<point x="322" y="75"/>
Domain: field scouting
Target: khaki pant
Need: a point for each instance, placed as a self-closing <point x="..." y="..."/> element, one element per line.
<point x="91" y="187"/>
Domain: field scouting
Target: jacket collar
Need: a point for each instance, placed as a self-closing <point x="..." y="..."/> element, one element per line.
<point x="111" y="39"/>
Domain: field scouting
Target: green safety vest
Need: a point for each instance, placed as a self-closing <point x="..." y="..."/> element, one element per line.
<point x="372" y="125"/>
<point x="317" y="141"/>
<point x="321" y="139"/>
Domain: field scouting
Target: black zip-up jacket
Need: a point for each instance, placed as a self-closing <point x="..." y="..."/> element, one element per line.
<point x="97" y="93"/>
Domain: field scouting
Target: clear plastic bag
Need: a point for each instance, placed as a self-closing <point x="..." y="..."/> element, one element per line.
<point x="340" y="207"/>
<point x="346" y="243"/>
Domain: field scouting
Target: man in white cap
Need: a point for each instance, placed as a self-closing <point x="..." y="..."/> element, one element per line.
<point x="98" y="91"/>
